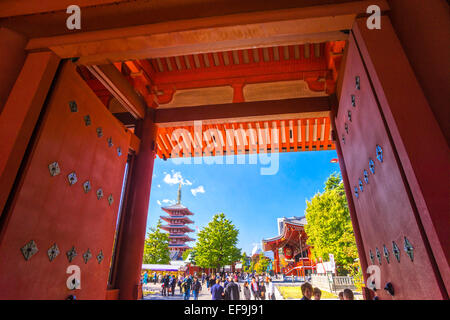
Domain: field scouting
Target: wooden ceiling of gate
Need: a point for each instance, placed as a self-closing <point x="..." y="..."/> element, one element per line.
<point x="232" y="77"/>
<point x="308" y="134"/>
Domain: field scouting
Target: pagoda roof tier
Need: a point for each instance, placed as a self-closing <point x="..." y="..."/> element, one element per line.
<point x="179" y="246"/>
<point x="170" y="218"/>
<point x="177" y="227"/>
<point x="180" y="236"/>
<point x="177" y="209"/>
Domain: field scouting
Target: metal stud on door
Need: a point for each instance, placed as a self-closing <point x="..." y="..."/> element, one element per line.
<point x="53" y="252"/>
<point x="29" y="250"/>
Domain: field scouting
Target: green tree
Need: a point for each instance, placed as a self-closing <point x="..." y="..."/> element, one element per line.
<point x="329" y="227"/>
<point x="192" y="253"/>
<point x="216" y="243"/>
<point x="262" y="264"/>
<point x="156" y="249"/>
<point x="245" y="260"/>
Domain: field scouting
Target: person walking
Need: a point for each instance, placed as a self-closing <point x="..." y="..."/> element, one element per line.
<point x="166" y="282"/>
<point x="247" y="293"/>
<point x="196" y="288"/>
<point x="212" y="281"/>
<point x="270" y="289"/>
<point x="186" y="285"/>
<point x="262" y="290"/>
<point x="207" y="281"/>
<point x="217" y="291"/>
<point x="145" y="278"/>
<point x="254" y="288"/>
<point x="232" y="290"/>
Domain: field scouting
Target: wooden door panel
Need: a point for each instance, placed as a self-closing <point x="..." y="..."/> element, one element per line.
<point x="384" y="208"/>
<point x="48" y="210"/>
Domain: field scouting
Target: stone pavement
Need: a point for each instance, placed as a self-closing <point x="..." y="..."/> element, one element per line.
<point x="204" y="293"/>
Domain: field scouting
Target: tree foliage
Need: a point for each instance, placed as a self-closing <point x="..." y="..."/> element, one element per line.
<point x="329" y="227"/>
<point x="192" y="253"/>
<point x="262" y="264"/>
<point x="216" y="243"/>
<point x="156" y="249"/>
<point x="245" y="260"/>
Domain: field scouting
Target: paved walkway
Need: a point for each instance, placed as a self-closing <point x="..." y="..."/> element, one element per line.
<point x="204" y="293"/>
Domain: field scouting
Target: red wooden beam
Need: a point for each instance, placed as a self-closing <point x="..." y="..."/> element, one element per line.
<point x="273" y="110"/>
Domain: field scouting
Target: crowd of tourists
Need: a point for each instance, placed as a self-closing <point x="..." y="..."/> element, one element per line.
<point x="227" y="286"/>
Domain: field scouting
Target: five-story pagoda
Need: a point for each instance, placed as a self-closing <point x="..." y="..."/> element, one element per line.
<point x="177" y="227"/>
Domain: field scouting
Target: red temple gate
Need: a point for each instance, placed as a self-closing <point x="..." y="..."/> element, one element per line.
<point x="65" y="208"/>
<point x="391" y="232"/>
<point x="389" y="135"/>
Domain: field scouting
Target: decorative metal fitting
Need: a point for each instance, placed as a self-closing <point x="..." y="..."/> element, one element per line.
<point x="386" y="253"/>
<point x="358" y="83"/>
<point x="110" y="199"/>
<point x="87" y="120"/>
<point x="54" y="169"/>
<point x="396" y="251"/>
<point x="99" y="132"/>
<point x="366" y="176"/>
<point x="409" y="249"/>
<point x="87" y="256"/>
<point x="87" y="186"/>
<point x="119" y="151"/>
<point x="349" y="115"/>
<point x="371" y="256"/>
<point x="53" y="252"/>
<point x="346" y="127"/>
<point x="361" y="185"/>
<point x="99" y="193"/>
<point x="100" y="257"/>
<point x="29" y="250"/>
<point x="356" y="192"/>
<point x="343" y="139"/>
<point x="72" y="178"/>
<point x="71" y="254"/>
<point x="110" y="143"/>
<point x="378" y="255"/>
<point x="379" y="153"/>
<point x="73" y="106"/>
<point x="372" y="166"/>
<point x="353" y="100"/>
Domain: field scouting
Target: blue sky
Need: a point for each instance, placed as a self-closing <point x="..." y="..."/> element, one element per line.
<point x="250" y="200"/>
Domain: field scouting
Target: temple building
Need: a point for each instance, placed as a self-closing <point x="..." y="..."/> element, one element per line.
<point x="177" y="227"/>
<point x="292" y="256"/>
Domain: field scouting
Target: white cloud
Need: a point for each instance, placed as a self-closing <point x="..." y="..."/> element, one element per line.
<point x="169" y="202"/>
<point x="159" y="203"/>
<point x="176" y="178"/>
<point x="159" y="186"/>
<point x="199" y="189"/>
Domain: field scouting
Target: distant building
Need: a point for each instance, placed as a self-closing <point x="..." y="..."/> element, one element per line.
<point x="292" y="256"/>
<point x="177" y="227"/>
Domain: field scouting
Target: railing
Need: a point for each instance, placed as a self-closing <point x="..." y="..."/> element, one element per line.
<point x="332" y="283"/>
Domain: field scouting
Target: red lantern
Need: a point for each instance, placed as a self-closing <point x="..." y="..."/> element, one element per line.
<point x="288" y="252"/>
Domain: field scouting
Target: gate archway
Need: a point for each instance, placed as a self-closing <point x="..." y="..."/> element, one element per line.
<point x="265" y="68"/>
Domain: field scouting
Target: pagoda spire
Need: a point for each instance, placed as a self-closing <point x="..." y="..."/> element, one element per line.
<point x="179" y="194"/>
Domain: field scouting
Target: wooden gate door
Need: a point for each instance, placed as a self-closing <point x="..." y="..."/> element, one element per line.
<point x="65" y="207"/>
<point x="389" y="225"/>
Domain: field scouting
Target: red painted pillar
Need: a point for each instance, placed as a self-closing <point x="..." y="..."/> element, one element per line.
<point x="276" y="261"/>
<point x="134" y="223"/>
